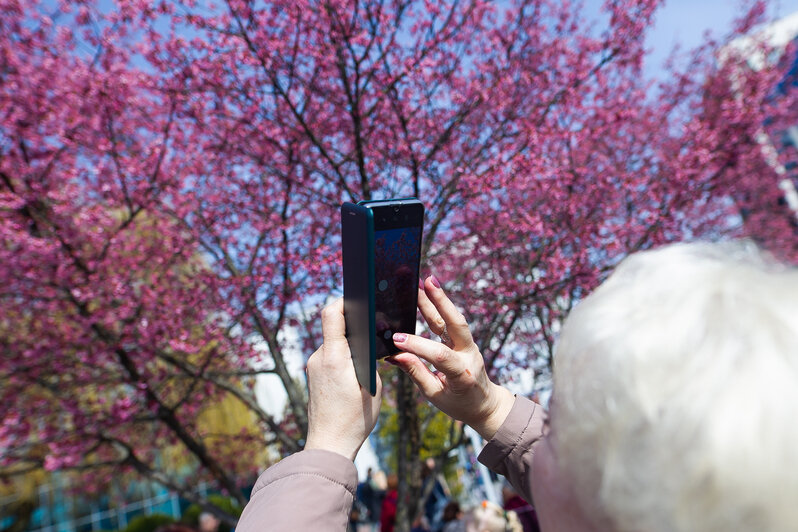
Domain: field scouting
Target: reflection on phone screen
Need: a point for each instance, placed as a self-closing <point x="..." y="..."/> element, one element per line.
<point x="396" y="275"/>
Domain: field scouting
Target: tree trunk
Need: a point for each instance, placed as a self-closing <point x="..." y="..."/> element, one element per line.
<point x="408" y="447"/>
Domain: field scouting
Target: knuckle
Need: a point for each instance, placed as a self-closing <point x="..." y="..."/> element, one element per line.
<point x="442" y="354"/>
<point x="439" y="324"/>
<point x="460" y="321"/>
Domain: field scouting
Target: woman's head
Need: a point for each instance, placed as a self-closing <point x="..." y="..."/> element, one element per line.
<point x="676" y="393"/>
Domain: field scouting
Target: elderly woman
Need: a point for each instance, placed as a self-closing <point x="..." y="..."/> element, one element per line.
<point x="674" y="407"/>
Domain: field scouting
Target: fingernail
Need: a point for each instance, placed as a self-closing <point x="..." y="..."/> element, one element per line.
<point x="390" y="360"/>
<point x="399" y="337"/>
<point x="435" y="281"/>
<point x="420" y="284"/>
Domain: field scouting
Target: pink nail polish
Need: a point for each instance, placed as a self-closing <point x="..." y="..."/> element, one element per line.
<point x="435" y="281"/>
<point x="399" y="337"/>
<point x="420" y="284"/>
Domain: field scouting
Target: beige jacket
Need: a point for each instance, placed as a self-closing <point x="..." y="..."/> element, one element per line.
<point x="314" y="490"/>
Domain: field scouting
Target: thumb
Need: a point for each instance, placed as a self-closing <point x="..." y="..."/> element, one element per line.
<point x="333" y="325"/>
<point x="422" y="377"/>
<point x="378" y="395"/>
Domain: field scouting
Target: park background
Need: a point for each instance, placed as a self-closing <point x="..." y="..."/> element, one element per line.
<point x="170" y="176"/>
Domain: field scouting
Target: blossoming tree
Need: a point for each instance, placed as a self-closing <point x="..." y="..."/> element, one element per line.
<point x="171" y="172"/>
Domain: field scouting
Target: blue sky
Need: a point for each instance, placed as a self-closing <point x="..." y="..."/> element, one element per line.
<point x="685" y="21"/>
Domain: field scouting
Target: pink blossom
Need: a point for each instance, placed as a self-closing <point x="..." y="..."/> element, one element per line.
<point x="170" y="181"/>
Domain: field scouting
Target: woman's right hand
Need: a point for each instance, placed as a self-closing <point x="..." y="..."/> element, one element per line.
<point x="460" y="387"/>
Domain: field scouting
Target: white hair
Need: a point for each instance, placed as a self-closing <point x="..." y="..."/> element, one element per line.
<point x="676" y="393"/>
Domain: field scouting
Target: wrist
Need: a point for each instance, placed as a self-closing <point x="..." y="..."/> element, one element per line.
<point x="342" y="448"/>
<point x="501" y="403"/>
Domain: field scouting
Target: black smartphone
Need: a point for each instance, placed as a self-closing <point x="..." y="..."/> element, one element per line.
<point x="381" y="243"/>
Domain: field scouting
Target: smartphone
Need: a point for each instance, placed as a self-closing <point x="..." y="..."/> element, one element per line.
<point x="381" y="243"/>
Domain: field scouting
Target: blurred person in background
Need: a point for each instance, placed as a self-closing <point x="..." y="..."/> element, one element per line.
<point x="388" y="510"/>
<point x="209" y="522"/>
<point x="486" y="517"/>
<point x="675" y="396"/>
<point x="380" y="484"/>
<point x="524" y="510"/>
<point x="420" y="524"/>
<point x="367" y="496"/>
<point x="490" y="517"/>
<point x="451" y="518"/>
<point x="436" y="490"/>
<point x="355" y="518"/>
<point x="175" y="527"/>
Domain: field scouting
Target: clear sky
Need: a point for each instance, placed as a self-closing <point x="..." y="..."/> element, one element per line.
<point x="685" y="21"/>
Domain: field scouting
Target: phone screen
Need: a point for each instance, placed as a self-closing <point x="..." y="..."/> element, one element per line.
<point x="396" y="261"/>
